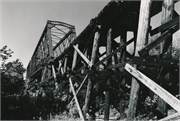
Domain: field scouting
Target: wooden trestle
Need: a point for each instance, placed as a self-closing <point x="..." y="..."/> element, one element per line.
<point x="61" y="57"/>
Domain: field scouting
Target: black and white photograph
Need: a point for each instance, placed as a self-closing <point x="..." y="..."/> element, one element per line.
<point x="90" y="60"/>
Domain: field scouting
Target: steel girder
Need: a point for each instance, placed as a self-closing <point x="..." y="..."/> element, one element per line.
<point x="55" y="39"/>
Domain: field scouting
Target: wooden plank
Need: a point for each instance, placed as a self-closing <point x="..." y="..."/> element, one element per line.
<point x="165" y="26"/>
<point x="174" y="117"/>
<point x="74" y="58"/>
<point x="87" y="43"/>
<point x="65" y="64"/>
<point x="83" y="57"/>
<point x="166" y="96"/>
<point x="110" y="55"/>
<point x="167" y="15"/>
<point x="94" y="56"/>
<point x="108" y="62"/>
<point x="79" y="89"/>
<point x="54" y="73"/>
<point x="142" y="40"/>
<point x="76" y="100"/>
<point x="160" y="39"/>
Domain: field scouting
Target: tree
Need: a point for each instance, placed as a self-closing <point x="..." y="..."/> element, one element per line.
<point x="12" y="86"/>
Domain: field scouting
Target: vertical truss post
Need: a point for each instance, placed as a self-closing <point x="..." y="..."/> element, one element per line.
<point x="122" y="60"/>
<point x="107" y="95"/>
<point x="93" y="60"/>
<point x="49" y="26"/>
<point x="142" y="39"/>
<point x="167" y="15"/>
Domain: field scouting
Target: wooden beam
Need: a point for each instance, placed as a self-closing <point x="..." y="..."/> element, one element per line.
<point x="74" y="58"/>
<point x="76" y="100"/>
<point x="108" y="62"/>
<point x="173" y="117"/>
<point x="65" y="64"/>
<point x="79" y="89"/>
<point x="142" y="40"/>
<point x="87" y="43"/>
<point x="165" y="26"/>
<point x="93" y="60"/>
<point x="160" y="39"/>
<point x="115" y="51"/>
<point x="167" y="15"/>
<point x="54" y="73"/>
<point x="166" y="96"/>
<point x="83" y="57"/>
<point x="110" y="55"/>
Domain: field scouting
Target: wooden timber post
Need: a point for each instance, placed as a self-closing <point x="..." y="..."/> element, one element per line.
<point x="122" y="60"/>
<point x="65" y="63"/>
<point x="142" y="39"/>
<point x="93" y="60"/>
<point x="167" y="15"/>
<point x="107" y="95"/>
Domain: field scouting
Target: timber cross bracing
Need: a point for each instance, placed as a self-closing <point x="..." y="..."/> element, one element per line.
<point x="65" y="58"/>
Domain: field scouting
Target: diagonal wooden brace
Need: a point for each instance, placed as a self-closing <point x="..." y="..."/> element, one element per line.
<point x="165" y="26"/>
<point x="76" y="100"/>
<point x="83" y="57"/>
<point x="163" y="37"/>
<point x="161" y="92"/>
<point x="79" y="88"/>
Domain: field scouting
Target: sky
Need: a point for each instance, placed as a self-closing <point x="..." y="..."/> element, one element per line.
<point x="23" y="21"/>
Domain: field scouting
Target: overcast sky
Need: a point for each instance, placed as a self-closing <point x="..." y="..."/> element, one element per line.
<point x="23" y="21"/>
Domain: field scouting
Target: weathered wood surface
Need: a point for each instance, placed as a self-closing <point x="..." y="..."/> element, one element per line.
<point x="174" y="117"/>
<point x="167" y="15"/>
<point x="142" y="40"/>
<point x="85" y="78"/>
<point x="83" y="57"/>
<point x="160" y="39"/>
<point x="108" y="62"/>
<point x="93" y="60"/>
<point x="169" y="98"/>
<point x="74" y="58"/>
<point x="76" y="100"/>
<point x="54" y="73"/>
<point x="165" y="26"/>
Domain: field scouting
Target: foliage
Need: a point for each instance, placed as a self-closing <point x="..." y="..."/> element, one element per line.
<point x="5" y="53"/>
<point x="15" y="105"/>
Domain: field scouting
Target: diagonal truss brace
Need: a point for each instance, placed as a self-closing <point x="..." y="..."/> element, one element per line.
<point x="161" y="92"/>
